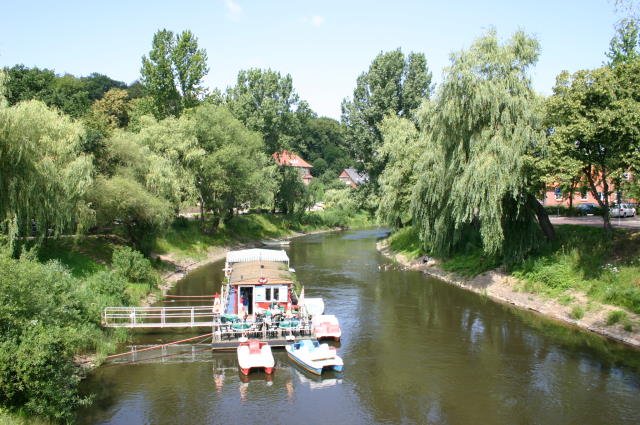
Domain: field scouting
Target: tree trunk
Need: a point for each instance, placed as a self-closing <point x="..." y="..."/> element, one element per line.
<point x="573" y="188"/>
<point x="604" y="204"/>
<point x="201" y="213"/>
<point x="543" y="218"/>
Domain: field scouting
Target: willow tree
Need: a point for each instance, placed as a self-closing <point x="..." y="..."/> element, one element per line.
<point x="402" y="146"/>
<point x="43" y="173"/>
<point x="479" y="172"/>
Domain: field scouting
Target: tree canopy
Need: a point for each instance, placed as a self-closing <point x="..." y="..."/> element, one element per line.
<point x="172" y="73"/>
<point x="393" y="85"/>
<point x="478" y="172"/>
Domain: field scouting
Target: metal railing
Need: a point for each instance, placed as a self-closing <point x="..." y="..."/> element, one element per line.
<point x="160" y="317"/>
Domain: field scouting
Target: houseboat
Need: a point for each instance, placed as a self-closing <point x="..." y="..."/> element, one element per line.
<point x="259" y="282"/>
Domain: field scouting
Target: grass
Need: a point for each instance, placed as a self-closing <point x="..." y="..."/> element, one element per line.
<point x="406" y="241"/>
<point x="616" y="316"/>
<point x="584" y="259"/>
<point x="83" y="256"/>
<point x="185" y="239"/>
<point x="577" y="312"/>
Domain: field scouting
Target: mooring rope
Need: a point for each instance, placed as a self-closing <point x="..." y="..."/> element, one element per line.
<point x="203" y="336"/>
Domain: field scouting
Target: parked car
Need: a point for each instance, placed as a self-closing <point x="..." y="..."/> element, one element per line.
<point x="587" y="209"/>
<point x="622" y="210"/>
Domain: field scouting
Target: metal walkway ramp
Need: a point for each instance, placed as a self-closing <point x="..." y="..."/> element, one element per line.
<point x="160" y="317"/>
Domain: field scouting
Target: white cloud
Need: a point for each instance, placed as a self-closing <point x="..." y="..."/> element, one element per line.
<point x="317" y="20"/>
<point x="234" y="11"/>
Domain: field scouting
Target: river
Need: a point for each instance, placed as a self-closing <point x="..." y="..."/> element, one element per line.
<point x="416" y="350"/>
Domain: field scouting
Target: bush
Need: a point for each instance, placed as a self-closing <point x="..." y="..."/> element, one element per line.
<point x="577" y="312"/>
<point x="110" y="284"/>
<point x="615" y="316"/>
<point x="133" y="266"/>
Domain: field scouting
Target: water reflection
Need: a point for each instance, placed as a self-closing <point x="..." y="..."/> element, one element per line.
<point x="416" y="350"/>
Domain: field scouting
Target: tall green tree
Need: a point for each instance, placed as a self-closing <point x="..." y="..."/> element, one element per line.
<point x="172" y="73"/>
<point x="43" y="174"/>
<point x="233" y="170"/>
<point x="393" y="85"/>
<point x="595" y="120"/>
<point x="479" y="173"/>
<point x="625" y="45"/>
<point x="322" y="143"/>
<point x="403" y="147"/>
<point x="266" y="102"/>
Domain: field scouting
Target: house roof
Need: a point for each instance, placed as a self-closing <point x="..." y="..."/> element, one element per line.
<point x="357" y="178"/>
<point x="257" y="254"/>
<point x="290" y="159"/>
<point x="260" y="272"/>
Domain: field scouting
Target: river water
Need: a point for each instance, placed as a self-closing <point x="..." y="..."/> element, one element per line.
<point x="416" y="351"/>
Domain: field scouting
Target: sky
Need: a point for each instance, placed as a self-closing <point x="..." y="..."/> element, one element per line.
<point x="324" y="45"/>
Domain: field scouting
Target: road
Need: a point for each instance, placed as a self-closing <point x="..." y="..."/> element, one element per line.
<point x="593" y="220"/>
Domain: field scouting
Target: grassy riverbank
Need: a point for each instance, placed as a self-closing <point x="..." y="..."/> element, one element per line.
<point x="581" y="261"/>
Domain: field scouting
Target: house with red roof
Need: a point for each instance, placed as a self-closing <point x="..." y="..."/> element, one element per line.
<point x="290" y="159"/>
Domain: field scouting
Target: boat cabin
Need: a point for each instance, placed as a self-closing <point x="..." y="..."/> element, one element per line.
<point x="260" y="281"/>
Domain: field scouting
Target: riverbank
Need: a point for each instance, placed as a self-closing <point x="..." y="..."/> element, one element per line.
<point x="501" y="287"/>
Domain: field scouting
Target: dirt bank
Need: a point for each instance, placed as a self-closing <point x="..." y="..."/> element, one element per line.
<point x="504" y="288"/>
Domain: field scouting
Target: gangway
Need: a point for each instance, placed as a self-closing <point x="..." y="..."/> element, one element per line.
<point x="160" y="317"/>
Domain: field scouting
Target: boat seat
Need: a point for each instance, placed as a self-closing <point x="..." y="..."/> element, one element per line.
<point x="254" y="347"/>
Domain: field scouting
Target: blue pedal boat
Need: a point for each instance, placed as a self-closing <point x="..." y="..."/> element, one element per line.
<point x="314" y="357"/>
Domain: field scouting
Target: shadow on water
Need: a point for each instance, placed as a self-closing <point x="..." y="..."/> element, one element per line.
<point x="416" y="350"/>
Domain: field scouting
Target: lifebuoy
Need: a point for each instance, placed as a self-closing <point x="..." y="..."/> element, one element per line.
<point x="263" y="280"/>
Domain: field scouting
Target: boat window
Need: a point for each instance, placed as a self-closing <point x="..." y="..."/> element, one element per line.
<point x="267" y="295"/>
<point x="276" y="291"/>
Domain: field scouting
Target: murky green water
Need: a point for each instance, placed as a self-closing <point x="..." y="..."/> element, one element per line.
<point x="416" y="350"/>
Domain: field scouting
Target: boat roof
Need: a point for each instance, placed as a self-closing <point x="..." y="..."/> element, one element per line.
<point x="260" y="273"/>
<point x="257" y="254"/>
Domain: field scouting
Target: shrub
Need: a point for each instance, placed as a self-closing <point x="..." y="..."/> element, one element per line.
<point x="615" y="316"/>
<point x="133" y="266"/>
<point x="577" y="312"/>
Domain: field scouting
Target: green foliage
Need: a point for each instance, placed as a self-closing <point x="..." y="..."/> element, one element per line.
<point x="232" y="172"/>
<point x="595" y="117"/>
<point x="322" y="143"/>
<point x="43" y="174"/>
<point x="616" y="316"/>
<point x="123" y="200"/>
<point x="44" y="320"/>
<point x="172" y="73"/>
<point x="133" y="266"/>
<point x="479" y="172"/>
<point x="624" y="46"/>
<point x="393" y="85"/>
<point x="403" y="148"/>
<point x="406" y="241"/>
<point x="577" y="312"/>
<point x="583" y="259"/>
<point x="266" y="102"/>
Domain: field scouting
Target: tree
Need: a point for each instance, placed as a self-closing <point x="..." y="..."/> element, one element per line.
<point x="29" y="83"/>
<point x="114" y="107"/>
<point x="394" y="84"/>
<point x="403" y="146"/>
<point x="173" y="72"/>
<point x="233" y="170"/>
<point x="322" y="143"/>
<point x="43" y="174"/>
<point x="190" y="64"/>
<point x="479" y="173"/>
<point x="624" y="46"/>
<point x="266" y="102"/>
<point x="595" y="120"/>
<point x="97" y="85"/>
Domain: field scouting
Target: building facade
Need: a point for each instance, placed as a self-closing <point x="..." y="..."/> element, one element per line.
<point x="290" y="159"/>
